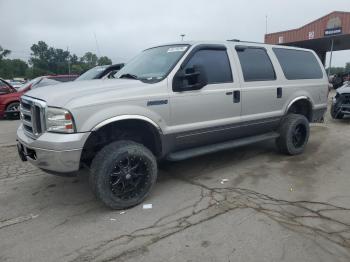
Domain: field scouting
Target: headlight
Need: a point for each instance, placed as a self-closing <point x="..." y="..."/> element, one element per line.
<point x="59" y="120"/>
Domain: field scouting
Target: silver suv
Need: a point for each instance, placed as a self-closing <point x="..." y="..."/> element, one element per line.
<point x="172" y="102"/>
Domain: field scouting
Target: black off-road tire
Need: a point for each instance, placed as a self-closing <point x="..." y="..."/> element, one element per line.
<point x="294" y="134"/>
<point x="336" y="115"/>
<point x="106" y="164"/>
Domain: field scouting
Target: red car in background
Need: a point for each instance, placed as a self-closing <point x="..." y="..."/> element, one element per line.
<point x="9" y="96"/>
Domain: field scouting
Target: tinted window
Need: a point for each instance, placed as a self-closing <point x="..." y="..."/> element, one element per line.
<point x="93" y="73"/>
<point x="298" y="64"/>
<point x="256" y="64"/>
<point x="215" y="63"/>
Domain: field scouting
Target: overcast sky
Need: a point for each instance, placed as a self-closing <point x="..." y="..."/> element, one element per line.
<point x="124" y="28"/>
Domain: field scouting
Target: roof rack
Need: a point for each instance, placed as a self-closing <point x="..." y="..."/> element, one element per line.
<point x="237" y="40"/>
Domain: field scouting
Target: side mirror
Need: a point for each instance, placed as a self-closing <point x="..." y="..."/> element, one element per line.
<point x="193" y="78"/>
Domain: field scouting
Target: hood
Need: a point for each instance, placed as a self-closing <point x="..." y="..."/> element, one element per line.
<point x="88" y="91"/>
<point x="344" y="89"/>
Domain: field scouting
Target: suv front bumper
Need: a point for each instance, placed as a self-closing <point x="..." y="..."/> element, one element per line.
<point x="59" y="153"/>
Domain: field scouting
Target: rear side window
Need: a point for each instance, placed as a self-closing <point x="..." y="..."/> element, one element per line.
<point x="256" y="64"/>
<point x="298" y="64"/>
<point x="215" y="63"/>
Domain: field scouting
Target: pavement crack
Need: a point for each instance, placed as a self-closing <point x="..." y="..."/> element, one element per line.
<point x="304" y="217"/>
<point x="16" y="220"/>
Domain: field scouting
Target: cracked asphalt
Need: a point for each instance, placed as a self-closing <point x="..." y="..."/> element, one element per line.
<point x="247" y="204"/>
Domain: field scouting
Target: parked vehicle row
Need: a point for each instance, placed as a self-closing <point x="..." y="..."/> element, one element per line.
<point x="172" y="102"/>
<point x="341" y="102"/>
<point x="99" y="72"/>
<point x="16" y="83"/>
<point x="338" y="80"/>
<point x="10" y="96"/>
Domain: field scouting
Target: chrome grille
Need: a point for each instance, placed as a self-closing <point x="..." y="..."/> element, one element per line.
<point x="32" y="116"/>
<point x="346" y="99"/>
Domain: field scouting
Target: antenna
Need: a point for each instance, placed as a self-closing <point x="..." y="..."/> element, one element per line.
<point x="97" y="46"/>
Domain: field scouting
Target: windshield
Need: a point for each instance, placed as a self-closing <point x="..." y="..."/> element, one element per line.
<point x="30" y="83"/>
<point x="93" y="73"/>
<point x="153" y="64"/>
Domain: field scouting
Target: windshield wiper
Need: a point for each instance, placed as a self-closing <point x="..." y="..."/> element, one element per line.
<point x="131" y="76"/>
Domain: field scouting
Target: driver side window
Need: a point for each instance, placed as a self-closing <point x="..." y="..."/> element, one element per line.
<point x="215" y="63"/>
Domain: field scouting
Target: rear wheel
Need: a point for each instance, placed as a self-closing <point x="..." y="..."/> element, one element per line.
<point x="122" y="174"/>
<point x="294" y="134"/>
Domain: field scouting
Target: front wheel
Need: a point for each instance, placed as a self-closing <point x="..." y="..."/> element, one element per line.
<point x="335" y="113"/>
<point x="123" y="173"/>
<point x="294" y="134"/>
<point x="12" y="110"/>
<point x="13" y="107"/>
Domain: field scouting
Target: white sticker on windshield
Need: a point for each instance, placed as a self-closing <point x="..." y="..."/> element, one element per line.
<point x="177" y="49"/>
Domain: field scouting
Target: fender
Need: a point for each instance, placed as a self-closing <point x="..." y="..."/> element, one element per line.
<point x="297" y="99"/>
<point x="127" y="117"/>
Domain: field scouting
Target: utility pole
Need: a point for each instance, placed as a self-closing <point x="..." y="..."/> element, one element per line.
<point x="266" y="24"/>
<point x="68" y="61"/>
<point x="330" y="58"/>
<point x="182" y="36"/>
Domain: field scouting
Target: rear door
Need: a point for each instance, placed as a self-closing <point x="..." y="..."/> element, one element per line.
<point x="204" y="116"/>
<point x="304" y="76"/>
<point x="262" y="96"/>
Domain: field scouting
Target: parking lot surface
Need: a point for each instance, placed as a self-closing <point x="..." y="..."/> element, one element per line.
<point x="247" y="204"/>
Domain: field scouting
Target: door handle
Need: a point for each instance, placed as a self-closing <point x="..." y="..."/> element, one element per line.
<point x="236" y="96"/>
<point x="279" y="92"/>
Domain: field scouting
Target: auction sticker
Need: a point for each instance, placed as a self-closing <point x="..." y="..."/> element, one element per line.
<point x="177" y="49"/>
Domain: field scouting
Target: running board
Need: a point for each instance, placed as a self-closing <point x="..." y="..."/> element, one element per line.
<point x="198" y="151"/>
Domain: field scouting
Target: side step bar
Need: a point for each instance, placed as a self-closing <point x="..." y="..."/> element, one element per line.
<point x="198" y="151"/>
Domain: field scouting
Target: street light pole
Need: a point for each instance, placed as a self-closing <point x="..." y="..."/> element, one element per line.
<point x="68" y="61"/>
<point x="330" y="58"/>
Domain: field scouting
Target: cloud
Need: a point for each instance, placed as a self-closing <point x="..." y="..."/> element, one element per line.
<point x="124" y="28"/>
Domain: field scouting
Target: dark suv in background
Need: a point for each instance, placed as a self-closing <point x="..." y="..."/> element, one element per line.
<point x="99" y="72"/>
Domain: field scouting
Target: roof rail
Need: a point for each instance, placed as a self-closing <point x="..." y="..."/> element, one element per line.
<point x="237" y="40"/>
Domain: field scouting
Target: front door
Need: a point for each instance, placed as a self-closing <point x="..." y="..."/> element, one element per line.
<point x="205" y="116"/>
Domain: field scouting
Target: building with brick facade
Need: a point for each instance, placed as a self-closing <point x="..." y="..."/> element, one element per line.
<point x="328" y="33"/>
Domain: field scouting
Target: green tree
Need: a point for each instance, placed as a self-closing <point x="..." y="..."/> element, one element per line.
<point x="4" y="53"/>
<point x="48" y="59"/>
<point x="89" y="59"/>
<point x="74" y="59"/>
<point x="347" y="67"/>
<point x="336" y="70"/>
<point x="104" y="60"/>
<point x="10" y="68"/>
<point x="77" y="69"/>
